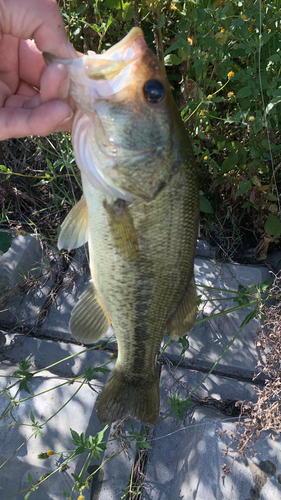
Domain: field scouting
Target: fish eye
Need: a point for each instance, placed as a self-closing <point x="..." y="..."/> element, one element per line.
<point x="153" y="91"/>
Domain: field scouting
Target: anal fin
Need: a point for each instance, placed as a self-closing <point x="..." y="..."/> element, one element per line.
<point x="74" y="229"/>
<point x="182" y="320"/>
<point x="89" y="321"/>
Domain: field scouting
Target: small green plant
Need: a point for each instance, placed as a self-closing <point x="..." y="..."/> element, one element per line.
<point x="179" y="405"/>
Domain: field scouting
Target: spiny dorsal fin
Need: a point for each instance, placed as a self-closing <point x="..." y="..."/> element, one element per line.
<point x="89" y="321"/>
<point x="183" y="318"/>
<point x="74" y="229"/>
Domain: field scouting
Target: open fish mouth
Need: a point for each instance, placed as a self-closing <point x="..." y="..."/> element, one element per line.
<point x="108" y="71"/>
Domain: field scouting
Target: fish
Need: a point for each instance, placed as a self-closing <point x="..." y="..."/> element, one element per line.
<point x="138" y="213"/>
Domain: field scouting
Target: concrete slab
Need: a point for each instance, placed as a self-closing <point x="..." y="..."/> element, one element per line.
<point x="58" y="406"/>
<point x="214" y="391"/>
<point x="75" y="280"/>
<point x="23" y="257"/>
<point x="187" y="457"/>
<point x="79" y="414"/>
<point x="68" y="360"/>
<point x="209" y="339"/>
<point x="26" y="279"/>
<point x="186" y="462"/>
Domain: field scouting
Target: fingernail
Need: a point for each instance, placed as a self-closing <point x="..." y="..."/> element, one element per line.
<point x="68" y="118"/>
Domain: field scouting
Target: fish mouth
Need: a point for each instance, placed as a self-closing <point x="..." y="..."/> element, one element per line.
<point x="100" y="76"/>
<point x="109" y="64"/>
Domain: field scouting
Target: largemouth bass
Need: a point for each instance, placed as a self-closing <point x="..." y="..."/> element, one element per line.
<point x="139" y="214"/>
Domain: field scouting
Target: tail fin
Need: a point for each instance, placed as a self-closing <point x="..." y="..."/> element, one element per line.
<point x="121" y="398"/>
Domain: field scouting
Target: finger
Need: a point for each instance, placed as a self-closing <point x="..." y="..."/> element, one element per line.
<point x="9" y="61"/>
<point x="47" y="118"/>
<point x="25" y="94"/>
<point x="38" y="19"/>
<point x="31" y="63"/>
<point x="54" y="83"/>
<point x="5" y="93"/>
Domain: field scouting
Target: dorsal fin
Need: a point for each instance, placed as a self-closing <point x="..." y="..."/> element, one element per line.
<point x="182" y="320"/>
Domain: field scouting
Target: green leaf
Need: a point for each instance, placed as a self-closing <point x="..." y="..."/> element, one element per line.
<point x="205" y="205"/>
<point x="274" y="58"/>
<point x="128" y="11"/>
<point x="32" y="418"/>
<point x="27" y="495"/>
<point x="75" y="437"/>
<point x="113" y="4"/>
<point x="144" y="444"/>
<point x="244" y="186"/>
<point x="241" y="298"/>
<point x="273" y="226"/>
<point x="5" y="241"/>
<point x="249" y="317"/>
<point x="172" y="59"/>
<point x="101" y="370"/>
<point x="162" y="21"/>
<point x="176" y="45"/>
<point x="271" y="104"/>
<point x="266" y="284"/>
<point x="81" y="9"/>
<point x="78" y="479"/>
<point x="29" y="477"/>
<point x="24" y="385"/>
<point x="80" y="450"/>
<point x="244" y="92"/>
<point x="185" y="344"/>
<point x="230" y="162"/>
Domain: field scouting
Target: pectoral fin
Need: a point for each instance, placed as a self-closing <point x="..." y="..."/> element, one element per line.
<point x="122" y="229"/>
<point x="182" y="320"/>
<point x="89" y="321"/>
<point x="74" y="229"/>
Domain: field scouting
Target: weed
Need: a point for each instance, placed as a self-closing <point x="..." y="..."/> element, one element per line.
<point x="264" y="415"/>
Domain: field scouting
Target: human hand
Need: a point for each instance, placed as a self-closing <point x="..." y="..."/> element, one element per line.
<point x="32" y="96"/>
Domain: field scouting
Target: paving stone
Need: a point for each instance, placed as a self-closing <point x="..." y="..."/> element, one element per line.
<point x="24" y="256"/>
<point x="214" y="390"/>
<point x="204" y="249"/>
<point x="26" y="279"/>
<point x="209" y="339"/>
<point x="187" y="458"/>
<point x="22" y="309"/>
<point x="22" y="451"/>
<point x="75" y="281"/>
<point x="43" y="353"/>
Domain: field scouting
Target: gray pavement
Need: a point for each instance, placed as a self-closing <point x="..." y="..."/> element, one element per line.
<point x="186" y="456"/>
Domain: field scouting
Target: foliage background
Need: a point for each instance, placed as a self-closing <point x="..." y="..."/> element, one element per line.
<point x="223" y="62"/>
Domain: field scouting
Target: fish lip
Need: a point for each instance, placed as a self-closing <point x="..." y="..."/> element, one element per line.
<point x="134" y="35"/>
<point x="117" y="51"/>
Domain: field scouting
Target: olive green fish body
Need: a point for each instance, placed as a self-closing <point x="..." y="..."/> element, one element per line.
<point x="141" y="281"/>
<point x="139" y="214"/>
